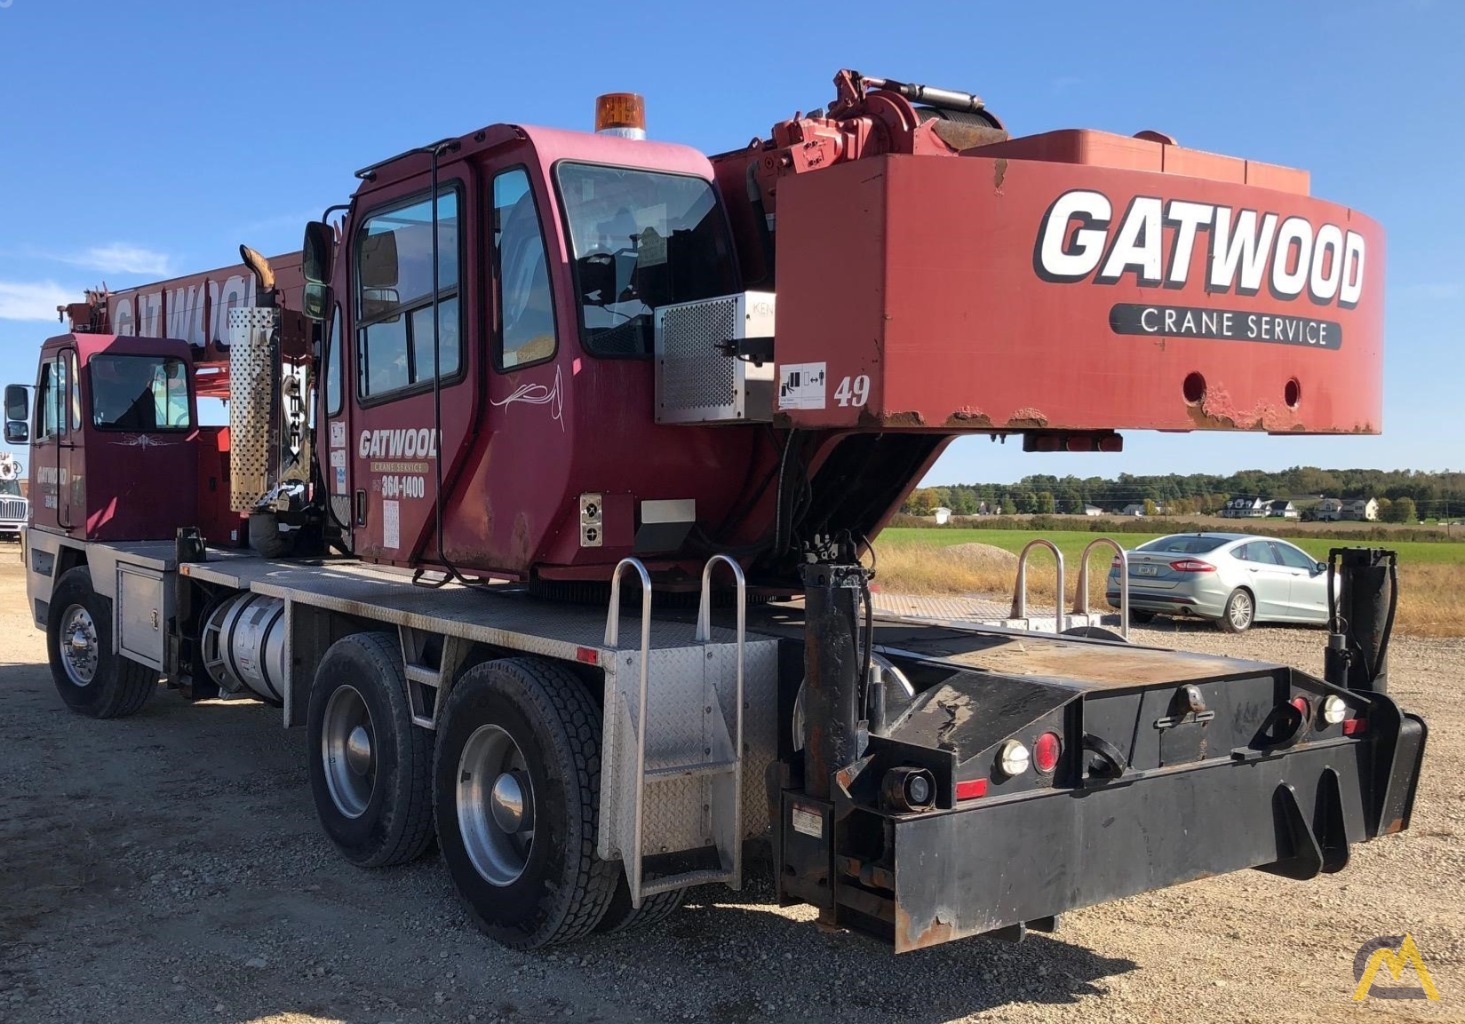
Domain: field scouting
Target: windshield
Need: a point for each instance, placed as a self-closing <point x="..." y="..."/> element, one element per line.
<point x="640" y="239"/>
<point x="139" y="393"/>
<point x="10" y="489"/>
<point x="1183" y="544"/>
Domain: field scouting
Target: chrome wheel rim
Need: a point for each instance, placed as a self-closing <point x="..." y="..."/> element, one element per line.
<point x="348" y="751"/>
<point x="79" y="648"/>
<point x="1241" y="610"/>
<point x="495" y="805"/>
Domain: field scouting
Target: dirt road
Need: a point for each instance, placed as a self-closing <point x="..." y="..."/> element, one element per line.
<point x="167" y="868"/>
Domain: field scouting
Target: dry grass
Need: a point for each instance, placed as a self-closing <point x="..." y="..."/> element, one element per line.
<point x="1431" y="595"/>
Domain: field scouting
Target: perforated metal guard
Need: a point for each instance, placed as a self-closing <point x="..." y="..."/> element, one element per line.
<point x="694" y="374"/>
<point x="251" y="401"/>
<point x="696" y="382"/>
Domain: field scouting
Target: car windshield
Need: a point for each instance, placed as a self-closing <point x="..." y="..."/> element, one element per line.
<point x="640" y="239"/>
<point x="1183" y="544"/>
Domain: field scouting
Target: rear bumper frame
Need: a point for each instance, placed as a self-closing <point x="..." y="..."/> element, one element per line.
<point x="1002" y="865"/>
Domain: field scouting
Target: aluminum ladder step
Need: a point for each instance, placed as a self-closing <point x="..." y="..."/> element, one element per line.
<point x="695" y="769"/>
<point x="667" y="883"/>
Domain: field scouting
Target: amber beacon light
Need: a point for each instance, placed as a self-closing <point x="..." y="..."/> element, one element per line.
<point x="621" y="113"/>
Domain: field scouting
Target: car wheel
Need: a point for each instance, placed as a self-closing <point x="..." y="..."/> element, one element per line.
<point x="1240" y="612"/>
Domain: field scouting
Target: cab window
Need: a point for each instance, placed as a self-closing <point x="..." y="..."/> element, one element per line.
<point x="394" y="296"/>
<point x="526" y="327"/>
<point x="51" y="390"/>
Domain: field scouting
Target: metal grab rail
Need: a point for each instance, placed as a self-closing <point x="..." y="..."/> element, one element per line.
<point x="1081" y="595"/>
<point x="1020" y="591"/>
<point x="612" y="641"/>
<point x="704" y="635"/>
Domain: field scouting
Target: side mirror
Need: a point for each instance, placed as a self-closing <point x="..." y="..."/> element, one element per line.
<point x="1322" y="567"/>
<point x="17" y="414"/>
<point x="17" y="402"/>
<point x="316" y="257"/>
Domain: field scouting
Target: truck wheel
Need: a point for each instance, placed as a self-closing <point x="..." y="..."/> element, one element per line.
<point x="517" y="781"/>
<point x="370" y="767"/>
<point x="620" y="916"/>
<point x="1240" y="612"/>
<point x="91" y="678"/>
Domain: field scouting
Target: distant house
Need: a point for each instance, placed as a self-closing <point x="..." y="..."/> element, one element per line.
<point x="1281" y="509"/>
<point x="1245" y="507"/>
<point x="1095" y="510"/>
<point x="1361" y="510"/>
<point x="941" y="514"/>
<point x="1134" y="508"/>
<point x="1328" y="510"/>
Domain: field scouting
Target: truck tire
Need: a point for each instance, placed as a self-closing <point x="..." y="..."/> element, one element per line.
<point x="370" y="767"/>
<point x="1239" y="613"/>
<point x="620" y="916"/>
<point x="517" y="781"/>
<point x="92" y="679"/>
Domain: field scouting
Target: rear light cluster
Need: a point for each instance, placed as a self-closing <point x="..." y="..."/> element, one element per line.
<point x="1192" y="565"/>
<point x="1016" y="758"/>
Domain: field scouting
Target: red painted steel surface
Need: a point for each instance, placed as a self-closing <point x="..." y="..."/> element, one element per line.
<point x="114" y="484"/>
<point x="948" y="304"/>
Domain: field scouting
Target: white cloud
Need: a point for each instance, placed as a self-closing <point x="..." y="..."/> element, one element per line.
<point x="120" y="258"/>
<point x="21" y="300"/>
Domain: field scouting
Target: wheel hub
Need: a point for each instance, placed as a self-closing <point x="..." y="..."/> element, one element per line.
<point x="347" y="742"/>
<point x="495" y="802"/>
<point x="506" y="801"/>
<point x="358" y="750"/>
<point x="79" y="649"/>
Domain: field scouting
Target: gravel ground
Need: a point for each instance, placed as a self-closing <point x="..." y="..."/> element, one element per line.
<point x="168" y="868"/>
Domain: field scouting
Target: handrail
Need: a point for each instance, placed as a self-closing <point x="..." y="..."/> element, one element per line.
<point x="1081" y="596"/>
<point x="1020" y="591"/>
<point x="612" y="640"/>
<point x="704" y="635"/>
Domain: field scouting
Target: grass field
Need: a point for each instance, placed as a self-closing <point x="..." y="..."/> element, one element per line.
<point x="915" y="561"/>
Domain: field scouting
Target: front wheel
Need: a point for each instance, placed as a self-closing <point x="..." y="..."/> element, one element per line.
<point x="92" y="679"/>
<point x="517" y="783"/>
<point x="1240" y="612"/>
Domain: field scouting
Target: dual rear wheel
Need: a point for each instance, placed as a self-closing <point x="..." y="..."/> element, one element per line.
<point x="514" y="777"/>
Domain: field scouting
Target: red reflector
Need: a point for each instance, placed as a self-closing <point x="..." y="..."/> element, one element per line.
<point x="971" y="789"/>
<point x="1192" y="565"/>
<point x="1354" y="726"/>
<point x="1303" y="708"/>
<point x="587" y="655"/>
<point x="1045" y="752"/>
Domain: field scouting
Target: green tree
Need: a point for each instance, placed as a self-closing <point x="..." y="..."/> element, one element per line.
<point x="1046" y="505"/>
<point x="1151" y="508"/>
<point x="1402" y="510"/>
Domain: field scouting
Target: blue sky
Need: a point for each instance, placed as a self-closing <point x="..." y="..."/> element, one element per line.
<point x="143" y="140"/>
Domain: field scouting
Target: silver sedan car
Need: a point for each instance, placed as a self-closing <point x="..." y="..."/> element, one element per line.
<point x="1233" y="579"/>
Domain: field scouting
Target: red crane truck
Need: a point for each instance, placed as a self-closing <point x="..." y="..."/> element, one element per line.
<point x="525" y="365"/>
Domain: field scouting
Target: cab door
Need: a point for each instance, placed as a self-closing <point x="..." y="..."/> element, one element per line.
<point x="55" y="449"/>
<point x="408" y="326"/>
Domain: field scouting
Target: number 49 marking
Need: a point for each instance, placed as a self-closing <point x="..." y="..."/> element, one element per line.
<point x="853" y="391"/>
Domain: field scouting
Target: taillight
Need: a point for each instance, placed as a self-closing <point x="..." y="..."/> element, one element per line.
<point x="1303" y="708"/>
<point x="1192" y="565"/>
<point x="1046" y="749"/>
<point x="971" y="789"/>
<point x="1334" y="710"/>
